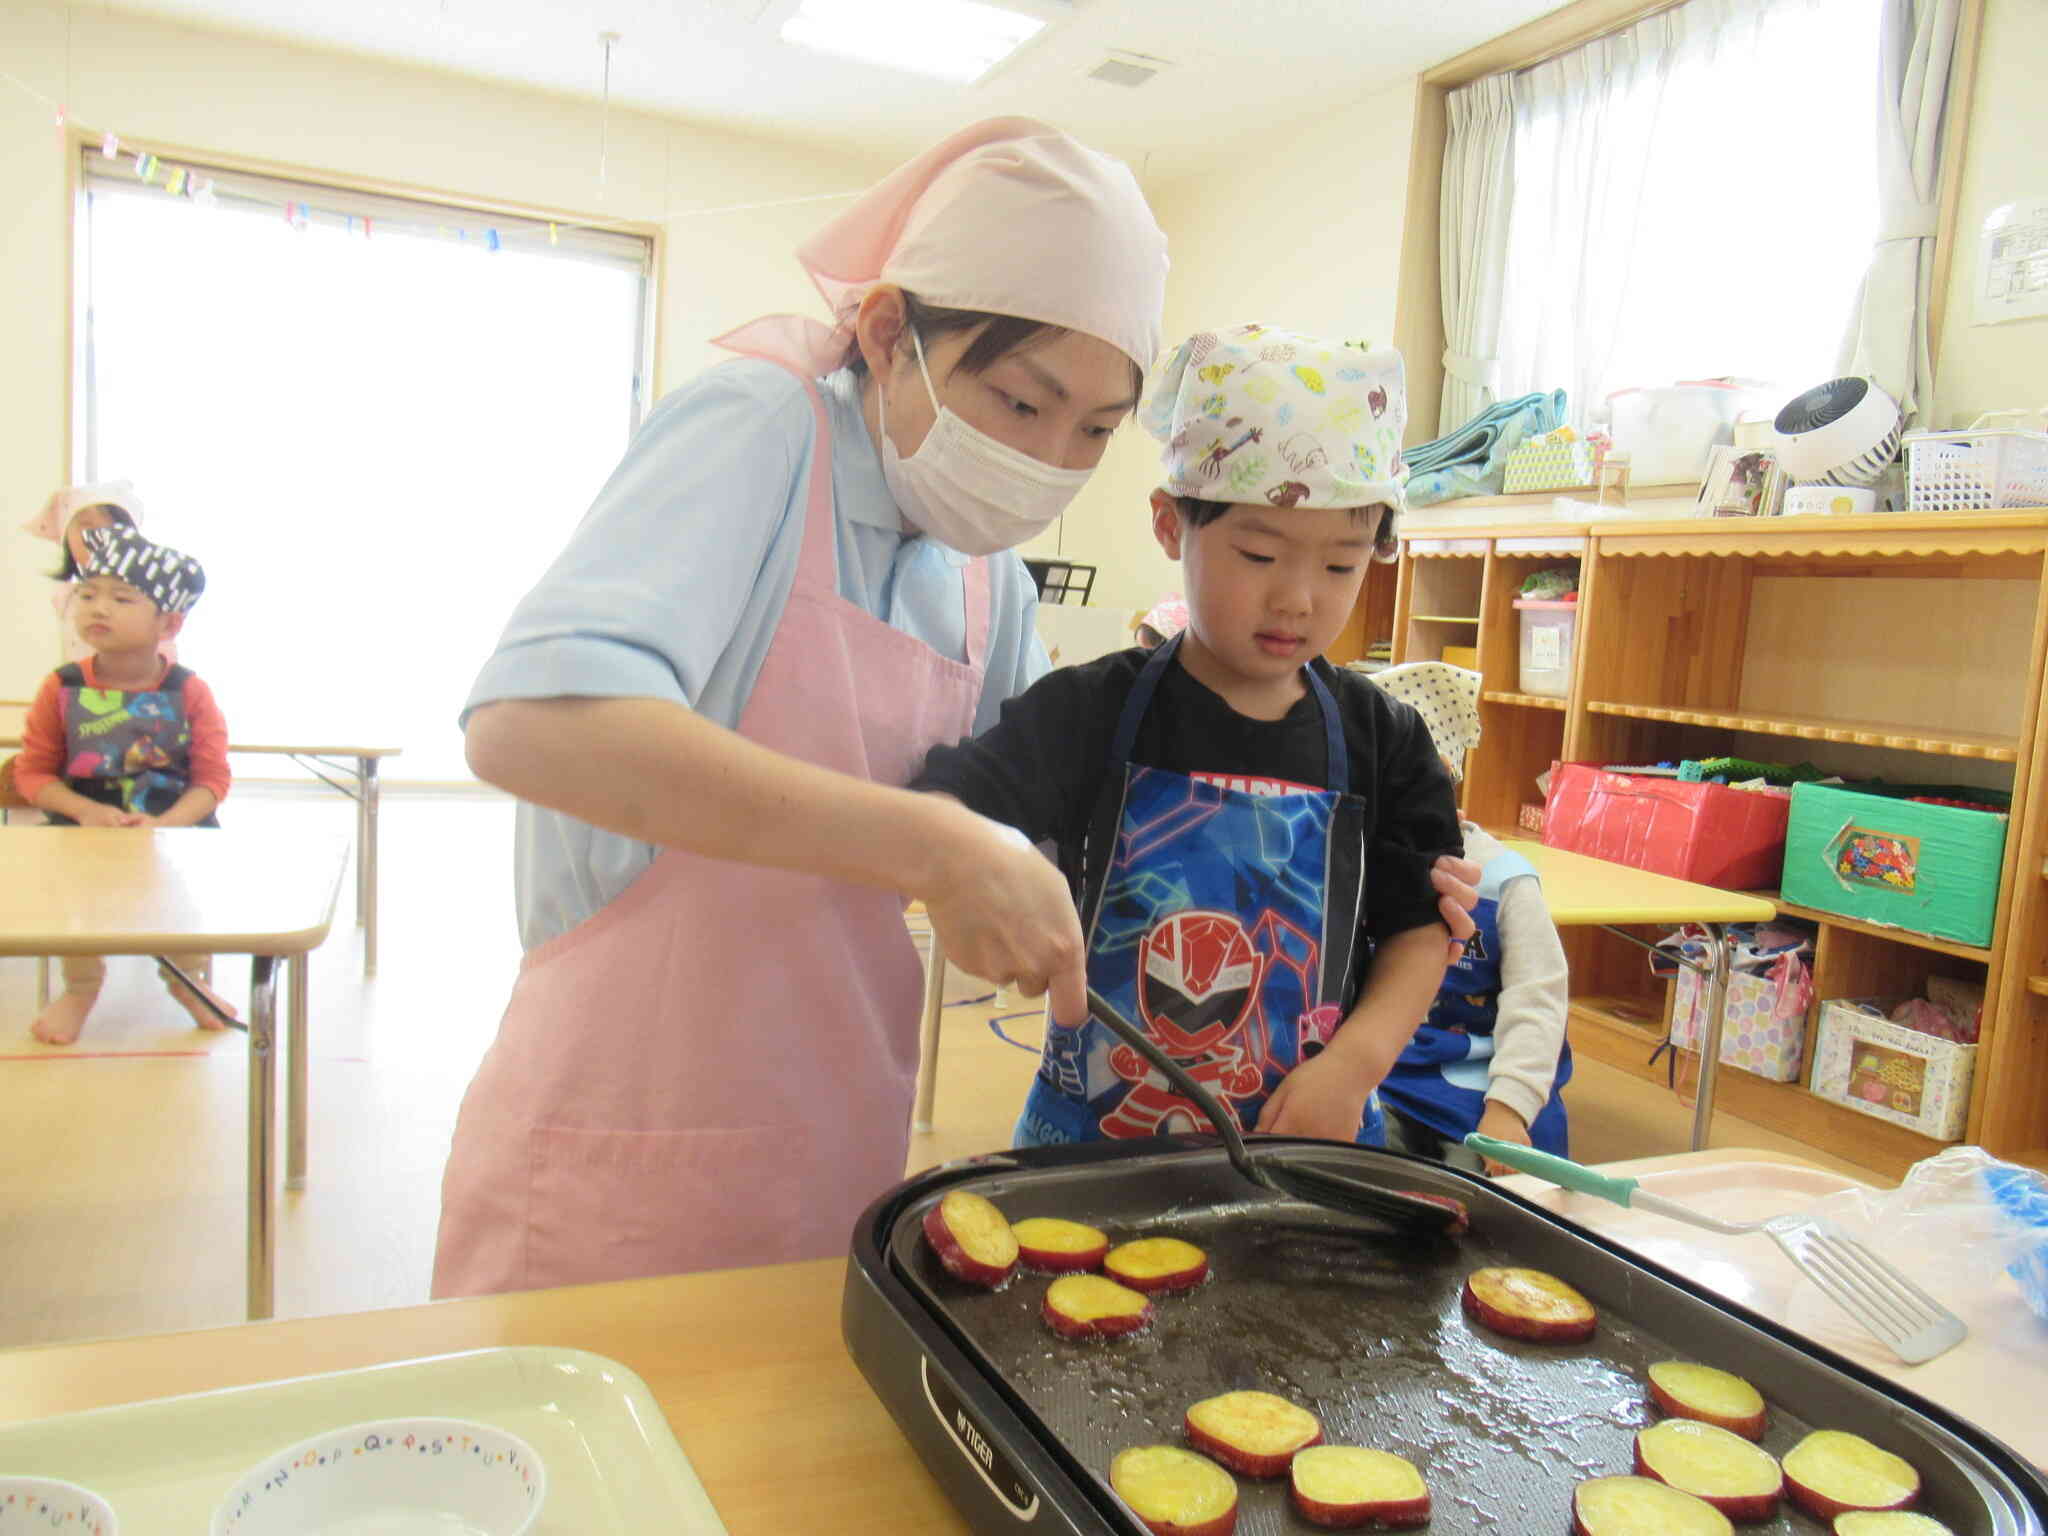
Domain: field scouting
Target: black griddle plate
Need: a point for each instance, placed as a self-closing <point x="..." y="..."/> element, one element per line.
<point x="1366" y="1330"/>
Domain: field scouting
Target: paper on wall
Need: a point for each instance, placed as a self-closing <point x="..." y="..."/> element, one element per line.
<point x="2012" y="263"/>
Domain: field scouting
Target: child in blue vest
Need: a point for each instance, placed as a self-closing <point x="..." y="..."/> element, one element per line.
<point x="1240" y="820"/>
<point x="1491" y="1057"/>
<point x="125" y="738"/>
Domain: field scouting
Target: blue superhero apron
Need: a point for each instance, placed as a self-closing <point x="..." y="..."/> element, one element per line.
<point x="129" y="748"/>
<point x="1224" y="923"/>
<point x="1440" y="1079"/>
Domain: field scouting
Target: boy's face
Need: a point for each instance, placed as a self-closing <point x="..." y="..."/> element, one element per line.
<point x="1268" y="588"/>
<point x="111" y="615"/>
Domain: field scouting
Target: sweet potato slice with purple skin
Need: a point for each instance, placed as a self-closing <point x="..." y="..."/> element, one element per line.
<point x="971" y="1239"/>
<point x="1528" y="1304"/>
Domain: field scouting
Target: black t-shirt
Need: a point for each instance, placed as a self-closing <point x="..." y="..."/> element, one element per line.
<point x="1041" y="767"/>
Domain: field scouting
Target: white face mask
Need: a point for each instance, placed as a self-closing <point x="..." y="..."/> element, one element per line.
<point x="966" y="489"/>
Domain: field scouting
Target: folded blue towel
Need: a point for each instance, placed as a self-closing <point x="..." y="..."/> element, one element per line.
<point x="1472" y="461"/>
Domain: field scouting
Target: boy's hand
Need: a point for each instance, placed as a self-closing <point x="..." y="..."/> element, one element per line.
<point x="1324" y="1096"/>
<point x="1457" y="885"/>
<point x="1502" y="1124"/>
<point x="110" y="816"/>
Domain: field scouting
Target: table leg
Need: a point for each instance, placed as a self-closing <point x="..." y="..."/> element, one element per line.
<point x="928" y="1037"/>
<point x="1710" y="1047"/>
<point x="42" y="982"/>
<point x="297" y="1068"/>
<point x="262" y="1130"/>
<point x="366" y="859"/>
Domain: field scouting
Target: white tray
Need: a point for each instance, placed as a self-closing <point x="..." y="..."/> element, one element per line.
<point x="612" y="1463"/>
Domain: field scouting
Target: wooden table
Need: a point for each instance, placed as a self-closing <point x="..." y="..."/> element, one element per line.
<point x="1588" y="892"/>
<point x="124" y="891"/>
<point x="748" y="1367"/>
<point x="350" y="770"/>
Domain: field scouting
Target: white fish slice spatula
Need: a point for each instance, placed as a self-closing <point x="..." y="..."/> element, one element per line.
<point x="1873" y="1291"/>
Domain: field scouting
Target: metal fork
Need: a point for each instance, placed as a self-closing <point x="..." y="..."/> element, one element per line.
<point x="1875" y="1293"/>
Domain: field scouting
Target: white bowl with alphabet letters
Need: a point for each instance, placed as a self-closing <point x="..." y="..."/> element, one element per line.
<point x="392" y="1477"/>
<point x="48" y="1506"/>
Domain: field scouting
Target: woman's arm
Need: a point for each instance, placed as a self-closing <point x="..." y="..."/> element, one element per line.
<point x="674" y="779"/>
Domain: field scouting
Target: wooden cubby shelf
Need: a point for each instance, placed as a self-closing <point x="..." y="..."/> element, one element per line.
<point x="1878" y="930"/>
<point x="1861" y="733"/>
<point x="1905" y="647"/>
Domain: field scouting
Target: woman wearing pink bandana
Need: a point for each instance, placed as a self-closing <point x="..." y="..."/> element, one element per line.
<point x="798" y="580"/>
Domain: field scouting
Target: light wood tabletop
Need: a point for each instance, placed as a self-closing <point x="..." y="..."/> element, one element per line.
<point x="350" y="769"/>
<point x="747" y="1365"/>
<point x="1584" y="891"/>
<point x="749" y="1368"/>
<point x="187" y="890"/>
<point x="127" y="891"/>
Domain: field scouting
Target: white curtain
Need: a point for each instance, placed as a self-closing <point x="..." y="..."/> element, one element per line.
<point x="1887" y="334"/>
<point x="1479" y="165"/>
<point x="1694" y="197"/>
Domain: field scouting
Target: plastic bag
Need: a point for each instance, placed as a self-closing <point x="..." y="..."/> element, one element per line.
<point x="1983" y="1217"/>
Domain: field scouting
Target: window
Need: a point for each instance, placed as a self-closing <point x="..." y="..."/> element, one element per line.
<point x="1696" y="196"/>
<point x="373" y="420"/>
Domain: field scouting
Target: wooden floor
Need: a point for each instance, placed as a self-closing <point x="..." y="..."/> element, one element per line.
<point x="121" y="1161"/>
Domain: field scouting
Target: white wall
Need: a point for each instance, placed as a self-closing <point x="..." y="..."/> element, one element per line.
<point x="1303" y="231"/>
<point x="321" y="112"/>
<point x="1998" y="367"/>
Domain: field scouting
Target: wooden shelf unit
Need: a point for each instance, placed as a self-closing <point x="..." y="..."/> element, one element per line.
<point x="1980" y="955"/>
<point x="1862" y="733"/>
<point x="1902" y="645"/>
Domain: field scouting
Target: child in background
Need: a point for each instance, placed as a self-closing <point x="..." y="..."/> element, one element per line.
<point x="1162" y="621"/>
<point x="1237" y="817"/>
<point x="1492" y="1055"/>
<point x="125" y="738"/>
<point x="65" y="520"/>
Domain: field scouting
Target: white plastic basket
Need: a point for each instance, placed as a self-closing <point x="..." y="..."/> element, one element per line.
<point x="1976" y="471"/>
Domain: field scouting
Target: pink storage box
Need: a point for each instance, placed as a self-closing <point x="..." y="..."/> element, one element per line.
<point x="1709" y="833"/>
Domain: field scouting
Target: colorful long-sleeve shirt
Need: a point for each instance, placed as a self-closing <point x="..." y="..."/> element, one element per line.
<point x="147" y="742"/>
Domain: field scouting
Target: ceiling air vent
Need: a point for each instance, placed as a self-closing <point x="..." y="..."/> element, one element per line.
<point x="1128" y="69"/>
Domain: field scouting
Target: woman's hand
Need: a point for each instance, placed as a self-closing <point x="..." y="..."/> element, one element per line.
<point x="1457" y="885"/>
<point x="1003" y="912"/>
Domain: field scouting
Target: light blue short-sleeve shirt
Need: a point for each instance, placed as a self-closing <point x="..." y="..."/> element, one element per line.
<point x="674" y="583"/>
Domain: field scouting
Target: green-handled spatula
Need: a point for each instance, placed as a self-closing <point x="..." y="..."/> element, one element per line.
<point x="1901" y="1316"/>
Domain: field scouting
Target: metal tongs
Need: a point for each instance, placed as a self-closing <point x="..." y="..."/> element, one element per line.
<point x="1333" y="1191"/>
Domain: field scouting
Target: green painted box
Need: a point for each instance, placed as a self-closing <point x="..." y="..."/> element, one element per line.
<point x="1883" y="853"/>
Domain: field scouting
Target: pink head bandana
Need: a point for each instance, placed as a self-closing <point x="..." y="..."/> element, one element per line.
<point x="1167" y="617"/>
<point x="1009" y="216"/>
<point x="49" y="523"/>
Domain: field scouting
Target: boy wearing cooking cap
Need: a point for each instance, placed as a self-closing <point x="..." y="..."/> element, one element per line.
<point x="1241" y="822"/>
<point x="125" y="738"/>
<point x="1492" y="1055"/>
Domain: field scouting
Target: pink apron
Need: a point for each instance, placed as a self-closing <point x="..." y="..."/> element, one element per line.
<point x="717" y="1069"/>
